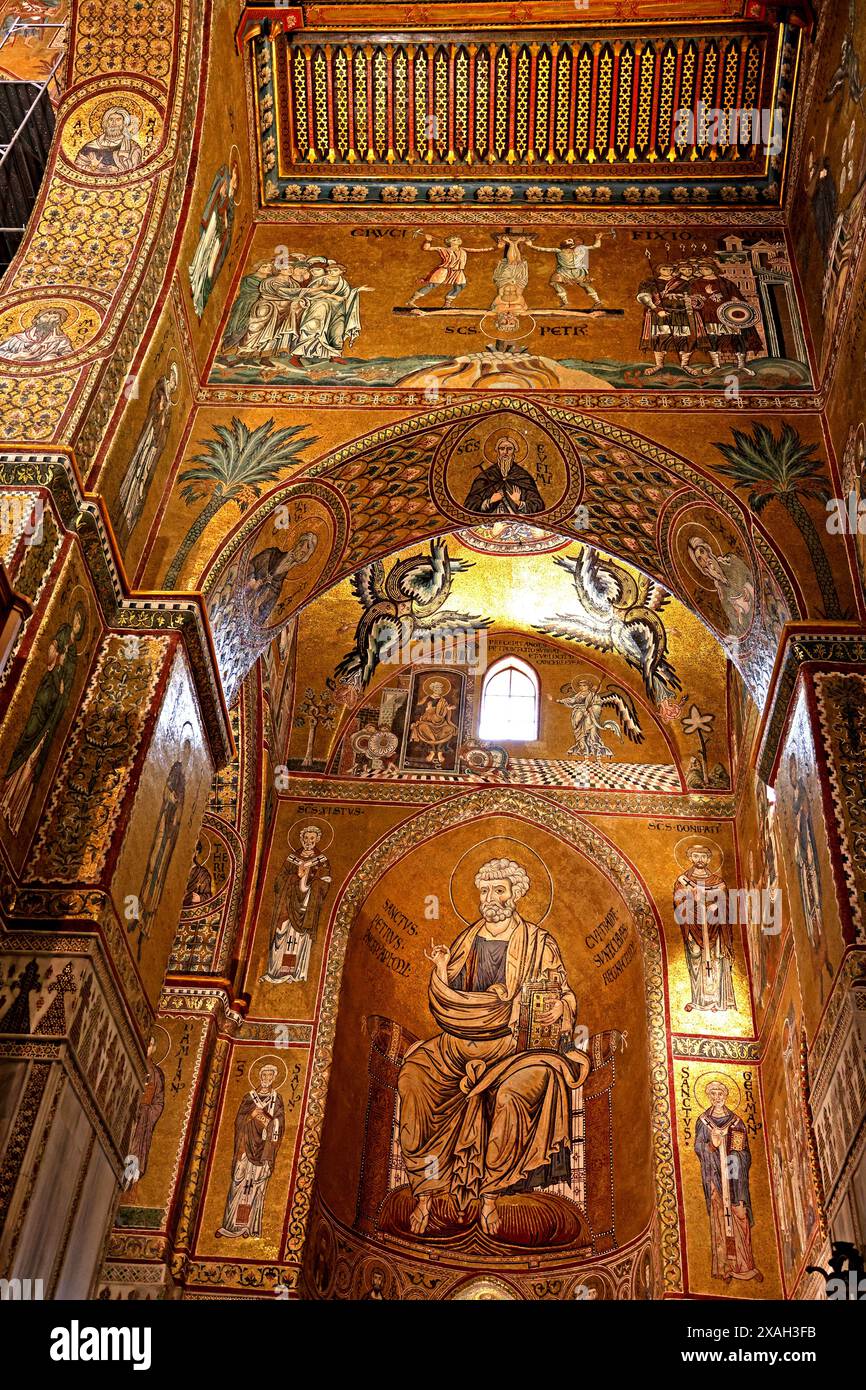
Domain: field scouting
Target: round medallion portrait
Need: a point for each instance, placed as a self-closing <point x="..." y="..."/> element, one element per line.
<point x="111" y="135"/>
<point x="34" y="334"/>
<point x="505" y="469"/>
<point x="712" y="563"/>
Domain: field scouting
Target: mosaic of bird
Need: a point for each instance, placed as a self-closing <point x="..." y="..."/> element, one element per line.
<point x="403" y="606"/>
<point x="617" y="613"/>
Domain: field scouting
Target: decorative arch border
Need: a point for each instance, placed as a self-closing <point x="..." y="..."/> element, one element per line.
<point x="77" y="393"/>
<point x="593" y="845"/>
<point x="689" y="484"/>
<point x="255" y="518"/>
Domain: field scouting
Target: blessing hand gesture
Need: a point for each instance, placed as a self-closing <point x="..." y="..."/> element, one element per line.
<point x="440" y="956"/>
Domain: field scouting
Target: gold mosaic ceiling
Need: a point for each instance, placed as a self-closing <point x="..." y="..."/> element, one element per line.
<point x="539" y="103"/>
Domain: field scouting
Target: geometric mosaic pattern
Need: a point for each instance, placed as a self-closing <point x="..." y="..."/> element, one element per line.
<point x="354" y="109"/>
<point x="557" y="772"/>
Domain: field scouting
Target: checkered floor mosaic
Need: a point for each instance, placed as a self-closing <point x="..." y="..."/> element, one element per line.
<point x="558" y="772"/>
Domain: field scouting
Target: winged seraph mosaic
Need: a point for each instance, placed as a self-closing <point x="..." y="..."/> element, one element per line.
<point x="617" y="612"/>
<point x="596" y="710"/>
<point x="401" y="606"/>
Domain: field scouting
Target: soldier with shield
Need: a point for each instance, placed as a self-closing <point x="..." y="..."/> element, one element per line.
<point x="725" y="323"/>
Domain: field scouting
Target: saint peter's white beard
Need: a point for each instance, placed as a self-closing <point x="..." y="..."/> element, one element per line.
<point x="497" y="912"/>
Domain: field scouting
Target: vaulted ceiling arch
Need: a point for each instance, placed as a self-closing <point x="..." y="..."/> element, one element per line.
<point x="593" y="481"/>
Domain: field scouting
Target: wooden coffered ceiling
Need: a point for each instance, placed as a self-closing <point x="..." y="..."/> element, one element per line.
<point x="539" y="103"/>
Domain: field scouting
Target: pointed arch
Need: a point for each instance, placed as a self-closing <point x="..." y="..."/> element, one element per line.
<point x="591" y="844"/>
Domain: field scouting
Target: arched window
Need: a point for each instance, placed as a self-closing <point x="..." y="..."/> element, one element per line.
<point x="509" y="702"/>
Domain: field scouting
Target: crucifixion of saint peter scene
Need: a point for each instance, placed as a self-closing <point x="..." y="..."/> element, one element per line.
<point x="483" y="1112"/>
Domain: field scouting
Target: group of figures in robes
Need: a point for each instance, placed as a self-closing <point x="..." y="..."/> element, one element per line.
<point x="47" y="708"/>
<point x="300" y="307"/>
<point x="701" y="911"/>
<point x="260" y="1125"/>
<point x="299" y="895"/>
<point x="692" y="307"/>
<point x="479" y="1117"/>
<point x="215" y="235"/>
<point x="722" y="1147"/>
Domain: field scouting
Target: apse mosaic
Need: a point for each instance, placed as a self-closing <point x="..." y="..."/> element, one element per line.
<point x="389" y="671"/>
<point x="384" y="693"/>
<point x="497" y="1185"/>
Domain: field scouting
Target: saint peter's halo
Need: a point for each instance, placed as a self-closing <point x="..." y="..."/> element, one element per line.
<point x="534" y="907"/>
<point x="306" y="823"/>
<point x="516" y="437"/>
<point x="158" y="1028"/>
<point x="682" y="847"/>
<point x="706" y="1078"/>
<point x="511" y="334"/>
<point x="436" y="680"/>
<point x="269" y="1061"/>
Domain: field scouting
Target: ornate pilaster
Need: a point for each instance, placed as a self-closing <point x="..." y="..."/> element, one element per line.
<point x="111" y="724"/>
<point x="813" y="750"/>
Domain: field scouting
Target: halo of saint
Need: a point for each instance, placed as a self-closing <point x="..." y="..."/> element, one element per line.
<point x="158" y="1028"/>
<point x="269" y="1060"/>
<point x="681" y="853"/>
<point x="297" y="828"/>
<point x="710" y="1078"/>
<point x="513" y="435"/>
<point x="463" y="894"/>
<point x="688" y="533"/>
